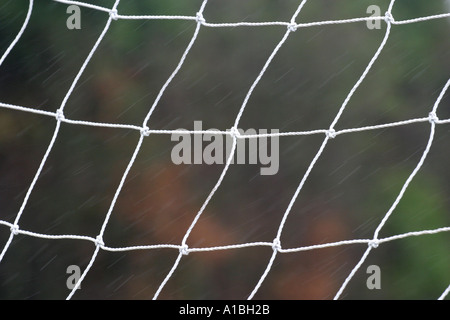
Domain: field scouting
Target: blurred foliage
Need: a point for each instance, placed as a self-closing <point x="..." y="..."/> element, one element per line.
<point x="352" y="187"/>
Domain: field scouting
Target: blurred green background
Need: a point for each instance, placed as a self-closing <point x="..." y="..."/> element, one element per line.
<point x="347" y="194"/>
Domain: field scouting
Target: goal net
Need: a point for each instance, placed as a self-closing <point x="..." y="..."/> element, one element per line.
<point x="212" y="149"/>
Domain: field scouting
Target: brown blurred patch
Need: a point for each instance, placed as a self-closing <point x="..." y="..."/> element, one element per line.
<point x="315" y="274"/>
<point x="165" y="194"/>
<point x="167" y="191"/>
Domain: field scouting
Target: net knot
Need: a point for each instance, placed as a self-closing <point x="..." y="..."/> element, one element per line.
<point x="199" y="18"/>
<point x="331" y="133"/>
<point x="276" y="245"/>
<point x="15" y="229"/>
<point x="374" y="243"/>
<point x="60" y="115"/>
<point x="292" y="27"/>
<point x="235" y="132"/>
<point x="113" y="14"/>
<point x="388" y="17"/>
<point x="433" y="118"/>
<point x="99" y="241"/>
<point x="184" y="250"/>
<point x="145" y="131"/>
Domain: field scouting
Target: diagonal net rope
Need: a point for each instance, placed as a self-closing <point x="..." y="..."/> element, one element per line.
<point x="328" y="134"/>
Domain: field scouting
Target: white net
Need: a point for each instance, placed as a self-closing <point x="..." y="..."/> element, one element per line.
<point x="273" y="239"/>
